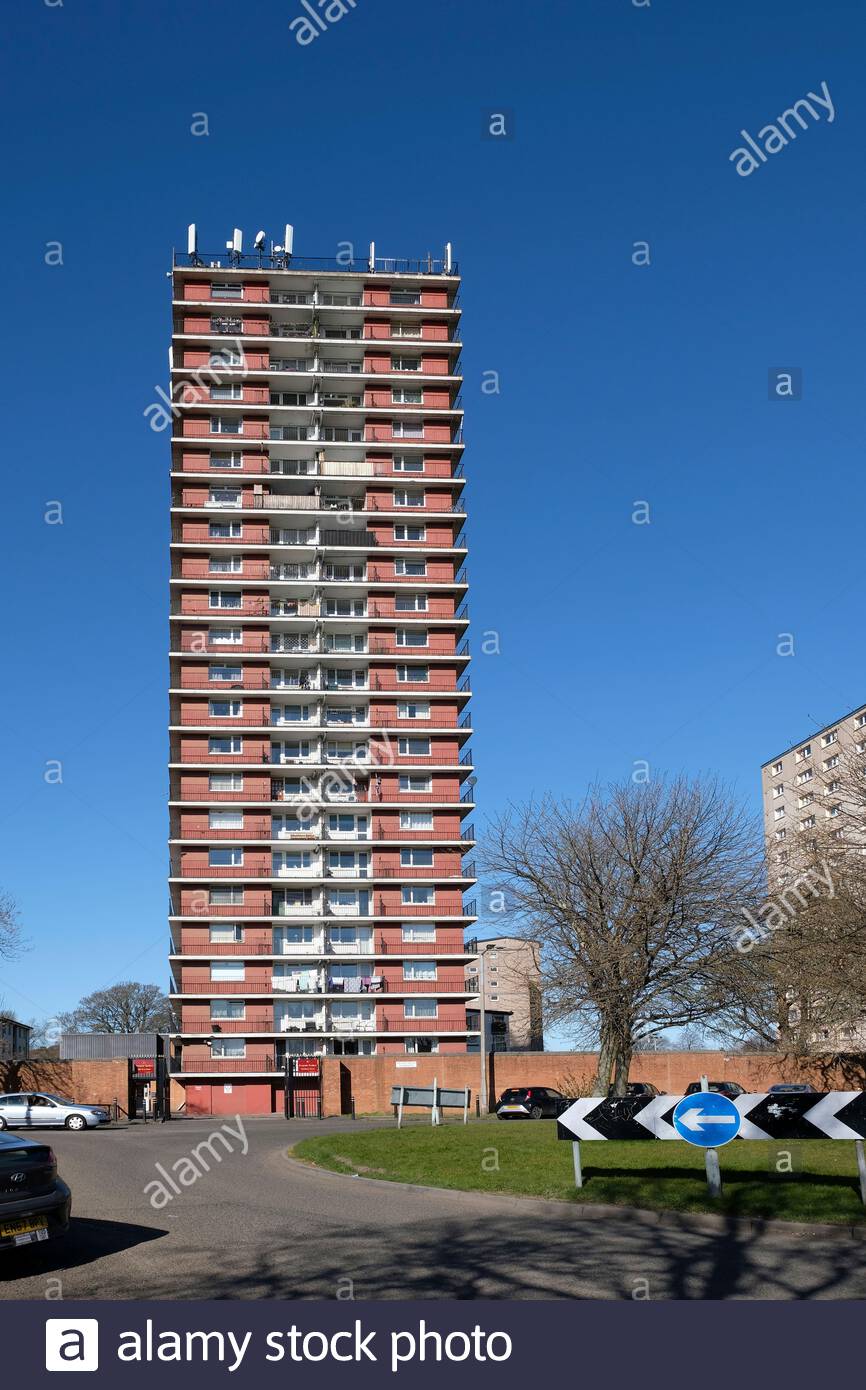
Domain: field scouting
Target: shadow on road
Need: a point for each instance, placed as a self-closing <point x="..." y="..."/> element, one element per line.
<point x="87" y="1240"/>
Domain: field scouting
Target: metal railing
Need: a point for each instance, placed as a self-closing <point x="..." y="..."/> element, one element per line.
<point x="278" y="260"/>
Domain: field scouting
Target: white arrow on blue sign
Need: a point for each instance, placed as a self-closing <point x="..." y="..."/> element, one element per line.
<point x="707" y="1119"/>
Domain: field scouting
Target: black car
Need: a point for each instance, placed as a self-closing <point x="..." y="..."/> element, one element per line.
<point x="531" y="1103"/>
<point x="642" y="1090"/>
<point x="792" y="1088"/>
<point x="34" y="1202"/>
<point x="731" y="1089"/>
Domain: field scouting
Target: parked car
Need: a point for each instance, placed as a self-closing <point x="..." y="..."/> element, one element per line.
<point x="27" y="1109"/>
<point x="531" y="1103"/>
<point x="731" y="1089"/>
<point x="792" y="1088"/>
<point x="641" y="1090"/>
<point x="34" y="1201"/>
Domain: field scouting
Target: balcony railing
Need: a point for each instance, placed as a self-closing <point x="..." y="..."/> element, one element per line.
<point x="225" y="1064"/>
<point x="278" y="260"/>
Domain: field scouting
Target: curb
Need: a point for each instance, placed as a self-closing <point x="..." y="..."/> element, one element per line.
<point x="691" y="1223"/>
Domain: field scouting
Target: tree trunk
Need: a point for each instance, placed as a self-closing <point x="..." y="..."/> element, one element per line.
<point x="622" y="1064"/>
<point x="601" y="1083"/>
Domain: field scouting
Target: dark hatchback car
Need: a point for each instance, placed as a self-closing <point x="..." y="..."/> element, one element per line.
<point x="731" y="1089"/>
<point x="34" y="1201"/>
<point x="531" y="1103"/>
<point x="792" y="1088"/>
<point x="637" y="1090"/>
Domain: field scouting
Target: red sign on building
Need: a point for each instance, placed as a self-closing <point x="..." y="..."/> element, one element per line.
<point x="305" y="1066"/>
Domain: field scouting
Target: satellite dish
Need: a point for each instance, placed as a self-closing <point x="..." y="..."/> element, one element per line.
<point x="260" y="240"/>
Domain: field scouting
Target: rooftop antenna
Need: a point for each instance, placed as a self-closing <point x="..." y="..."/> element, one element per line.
<point x="192" y="245"/>
<point x="371" y="264"/>
<point x="235" y="246"/>
<point x="283" y="254"/>
<point x="448" y="258"/>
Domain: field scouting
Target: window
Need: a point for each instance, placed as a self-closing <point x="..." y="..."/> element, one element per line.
<point x="224" y="673"/>
<point x="405" y="330"/>
<point x="833" y="786"/>
<point x="409" y="533"/>
<point x="807" y="823"/>
<point x="225" y="820"/>
<point x="225" y="564"/>
<point x="415" y="782"/>
<point x="222" y="289"/>
<point x="407" y="429"/>
<point x="225" y="782"/>
<point x="834" y="811"/>
<point x="225" y="858"/>
<point x="226" y="356"/>
<point x="778" y="813"/>
<point x="408" y="497"/>
<point x="777" y="768"/>
<point x="226" y="970"/>
<point x="416" y="858"/>
<point x="805" y="776"/>
<point x="225" y="897"/>
<point x="224" y="709"/>
<point x="832" y="761"/>
<point x="804" y="752"/>
<point x="781" y="834"/>
<point x="405" y="297"/>
<point x="224" y="496"/>
<point x="224" y="598"/>
<point x="346" y="861"/>
<point x="417" y="895"/>
<point x="419" y="970"/>
<point x="234" y="392"/>
<point x="413" y="569"/>
<point x="832" y="737"/>
<point x="224" y="530"/>
<point x="230" y="744"/>
<point x="411" y="637"/>
<point x="413" y="709"/>
<point x="419" y="1008"/>
<point x="405" y="364"/>
<point x="225" y="933"/>
<point x="779" y="790"/>
<point x="293" y="861"/>
<point x="805" y="800"/>
<point x="407" y="463"/>
<point x="413" y="747"/>
<point x="413" y="675"/>
<point x="228" y="1047"/>
<point x="416" y="820"/>
<point x="860" y="721"/>
<point x="410" y="603"/>
<point x="291" y="714"/>
<point x="225" y="636"/>
<point x="234" y="459"/>
<point x="222" y="424"/>
<point x="419" y="932"/>
<point x="407" y="395"/>
<point x="226" y="1008"/>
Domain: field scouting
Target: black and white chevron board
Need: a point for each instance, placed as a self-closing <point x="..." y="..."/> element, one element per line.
<point x="833" y="1115"/>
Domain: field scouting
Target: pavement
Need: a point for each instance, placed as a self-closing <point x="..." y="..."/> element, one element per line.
<point x="261" y="1225"/>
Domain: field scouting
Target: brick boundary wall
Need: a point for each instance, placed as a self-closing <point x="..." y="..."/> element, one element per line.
<point x="99" y="1082"/>
<point x="369" y="1079"/>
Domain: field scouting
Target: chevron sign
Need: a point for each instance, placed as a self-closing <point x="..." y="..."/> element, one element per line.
<point x="804" y="1115"/>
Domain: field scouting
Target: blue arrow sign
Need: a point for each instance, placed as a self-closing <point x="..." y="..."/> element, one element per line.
<point x="707" y="1119"/>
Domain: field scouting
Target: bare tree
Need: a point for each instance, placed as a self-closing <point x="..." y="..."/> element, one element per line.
<point x="12" y="941"/>
<point x="126" y="1007"/>
<point x="635" y="898"/>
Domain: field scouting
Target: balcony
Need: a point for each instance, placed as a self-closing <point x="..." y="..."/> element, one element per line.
<point x="236" y="1065"/>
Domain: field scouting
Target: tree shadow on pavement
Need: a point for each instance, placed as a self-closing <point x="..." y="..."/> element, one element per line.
<point x="87" y="1240"/>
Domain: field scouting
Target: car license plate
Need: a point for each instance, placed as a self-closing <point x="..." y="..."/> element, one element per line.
<point x="24" y="1231"/>
<point x="512" y="1109"/>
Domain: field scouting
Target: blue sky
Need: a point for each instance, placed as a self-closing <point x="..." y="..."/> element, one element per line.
<point x="619" y="383"/>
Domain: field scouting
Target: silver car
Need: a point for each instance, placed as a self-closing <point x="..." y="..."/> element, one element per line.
<point x="32" y="1109"/>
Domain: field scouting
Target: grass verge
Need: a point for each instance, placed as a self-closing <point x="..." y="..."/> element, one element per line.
<point x="804" y="1180"/>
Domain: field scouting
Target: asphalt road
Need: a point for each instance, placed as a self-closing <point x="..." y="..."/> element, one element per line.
<point x="262" y="1226"/>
